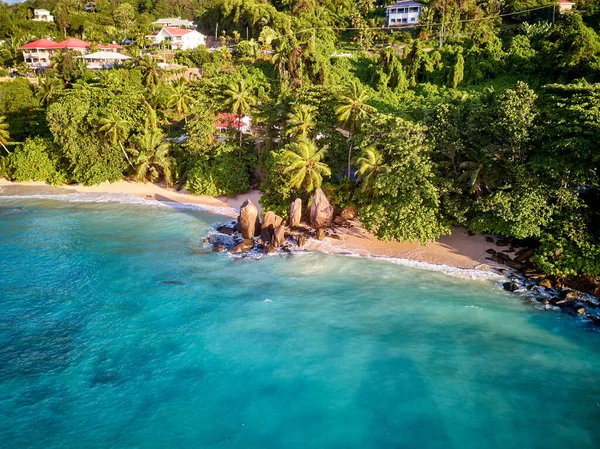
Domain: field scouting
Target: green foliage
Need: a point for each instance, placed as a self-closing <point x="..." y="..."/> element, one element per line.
<point x="224" y="175"/>
<point x="406" y="206"/>
<point x="33" y="160"/>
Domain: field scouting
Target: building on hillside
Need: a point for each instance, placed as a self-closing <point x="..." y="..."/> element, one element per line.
<point x="227" y="122"/>
<point x="403" y="13"/>
<point x="90" y="7"/>
<point x="104" y="59"/>
<point x="175" y="23"/>
<point x="178" y="38"/>
<point x="42" y="15"/>
<point x="565" y="6"/>
<point x="38" y="54"/>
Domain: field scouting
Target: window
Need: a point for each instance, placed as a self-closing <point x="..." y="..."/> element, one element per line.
<point x="393" y="11"/>
<point x="393" y="20"/>
<point x="412" y="19"/>
<point x="413" y="9"/>
<point x="401" y="10"/>
<point x="404" y="20"/>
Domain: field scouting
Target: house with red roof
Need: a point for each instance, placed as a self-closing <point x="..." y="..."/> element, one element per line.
<point x="226" y="122"/>
<point x="38" y="54"/>
<point x="178" y="38"/>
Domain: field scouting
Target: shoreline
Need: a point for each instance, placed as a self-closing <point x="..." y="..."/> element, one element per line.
<point x="456" y="251"/>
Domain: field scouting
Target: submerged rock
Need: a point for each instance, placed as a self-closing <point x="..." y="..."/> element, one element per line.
<point x="321" y="212"/>
<point x="248" y="218"/>
<point x="295" y="213"/>
<point x="510" y="286"/>
<point x="225" y="230"/>
<point x="243" y="247"/>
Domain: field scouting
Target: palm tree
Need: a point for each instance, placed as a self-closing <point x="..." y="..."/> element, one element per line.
<point x="180" y="98"/>
<point x="300" y="121"/>
<point x="352" y="110"/>
<point x="48" y="88"/>
<point x="4" y="134"/>
<point x="115" y="130"/>
<point x="151" y="72"/>
<point x="371" y="165"/>
<point x="475" y="169"/>
<point x="305" y="166"/>
<point x="240" y="100"/>
<point x="152" y="156"/>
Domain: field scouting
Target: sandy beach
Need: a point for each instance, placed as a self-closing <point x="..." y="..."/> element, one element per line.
<point x="458" y="250"/>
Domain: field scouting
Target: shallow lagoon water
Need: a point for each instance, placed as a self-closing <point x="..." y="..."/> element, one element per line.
<point x="118" y="328"/>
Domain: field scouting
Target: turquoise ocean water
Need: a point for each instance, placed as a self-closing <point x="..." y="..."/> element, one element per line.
<point x="119" y="329"/>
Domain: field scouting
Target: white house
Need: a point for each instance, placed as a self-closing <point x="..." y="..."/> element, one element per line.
<point x="175" y="23"/>
<point x="42" y="15"/>
<point x="104" y="59"/>
<point x="178" y="38"/>
<point x="403" y="13"/>
<point x="565" y="6"/>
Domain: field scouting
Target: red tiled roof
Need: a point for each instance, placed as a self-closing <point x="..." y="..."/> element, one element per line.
<point x="176" y="31"/>
<point x="225" y="120"/>
<point x="73" y="42"/>
<point x="40" y="43"/>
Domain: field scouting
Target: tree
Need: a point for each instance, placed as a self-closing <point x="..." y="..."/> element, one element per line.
<point x="371" y="165"/>
<point x="301" y="121"/>
<point x="115" y="129"/>
<point x="352" y="110"/>
<point x="152" y="156"/>
<point x="474" y="170"/>
<point x="124" y="17"/>
<point x="151" y="72"/>
<point x="180" y="98"/>
<point x="240" y="101"/>
<point x="4" y="134"/>
<point x="305" y="165"/>
<point x="48" y="87"/>
<point x="458" y="70"/>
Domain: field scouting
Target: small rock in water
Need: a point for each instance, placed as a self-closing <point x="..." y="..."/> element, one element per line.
<point x="489" y="240"/>
<point x="510" y="286"/>
<point x="243" y="247"/>
<point x="225" y="230"/>
<point x="301" y="240"/>
<point x="545" y="283"/>
<point x="320" y="234"/>
<point x="558" y="301"/>
<point x="579" y="310"/>
<point x="173" y="282"/>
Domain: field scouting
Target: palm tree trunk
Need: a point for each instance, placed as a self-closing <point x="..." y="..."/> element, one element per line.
<point x="349" y="156"/>
<point x="240" y="134"/>
<point x="125" y="153"/>
<point x="5" y="149"/>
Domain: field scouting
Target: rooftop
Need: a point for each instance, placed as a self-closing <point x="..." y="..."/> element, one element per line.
<point x="408" y="3"/>
<point x="176" y="31"/>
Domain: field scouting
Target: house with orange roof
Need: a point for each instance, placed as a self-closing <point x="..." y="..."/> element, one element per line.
<point x="178" y="38"/>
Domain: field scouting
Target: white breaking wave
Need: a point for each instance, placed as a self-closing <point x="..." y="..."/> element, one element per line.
<point x="122" y="198"/>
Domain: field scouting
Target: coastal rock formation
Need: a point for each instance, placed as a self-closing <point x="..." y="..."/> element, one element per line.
<point x="248" y="219"/>
<point x="243" y="247"/>
<point x="350" y="213"/>
<point x="320" y="234"/>
<point x="225" y="230"/>
<point x="321" y="212"/>
<point x="301" y="241"/>
<point x="269" y="224"/>
<point x="278" y="238"/>
<point x="295" y="213"/>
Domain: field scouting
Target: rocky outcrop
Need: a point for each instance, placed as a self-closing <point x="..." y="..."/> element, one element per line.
<point x="248" y="219"/>
<point x="278" y="238"/>
<point x="350" y="213"/>
<point x="320" y="234"/>
<point x="295" y="213"/>
<point x="321" y="212"/>
<point x="269" y="224"/>
<point x="243" y="247"/>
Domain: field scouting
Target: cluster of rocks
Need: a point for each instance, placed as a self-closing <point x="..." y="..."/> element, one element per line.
<point x="547" y="291"/>
<point x="273" y="233"/>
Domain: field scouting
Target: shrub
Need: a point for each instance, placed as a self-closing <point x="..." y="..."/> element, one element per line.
<point x="225" y="175"/>
<point x="32" y="161"/>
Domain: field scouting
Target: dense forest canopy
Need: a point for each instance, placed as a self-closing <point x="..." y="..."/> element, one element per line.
<point x="485" y="115"/>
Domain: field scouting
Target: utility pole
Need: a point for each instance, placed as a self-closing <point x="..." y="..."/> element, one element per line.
<point x="246" y="33"/>
<point x="442" y="35"/>
<point x="553" y="11"/>
<point x="217" y="31"/>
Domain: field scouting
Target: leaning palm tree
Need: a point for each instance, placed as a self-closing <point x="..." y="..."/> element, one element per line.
<point x="115" y="130"/>
<point x="180" y="98"/>
<point x="300" y="121"/>
<point x="352" y="110"/>
<point x="306" y="168"/>
<point x="48" y="87"/>
<point x="152" y="156"/>
<point x="371" y="165"/>
<point x="475" y="170"/>
<point x="4" y="134"/>
<point x="240" y="101"/>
